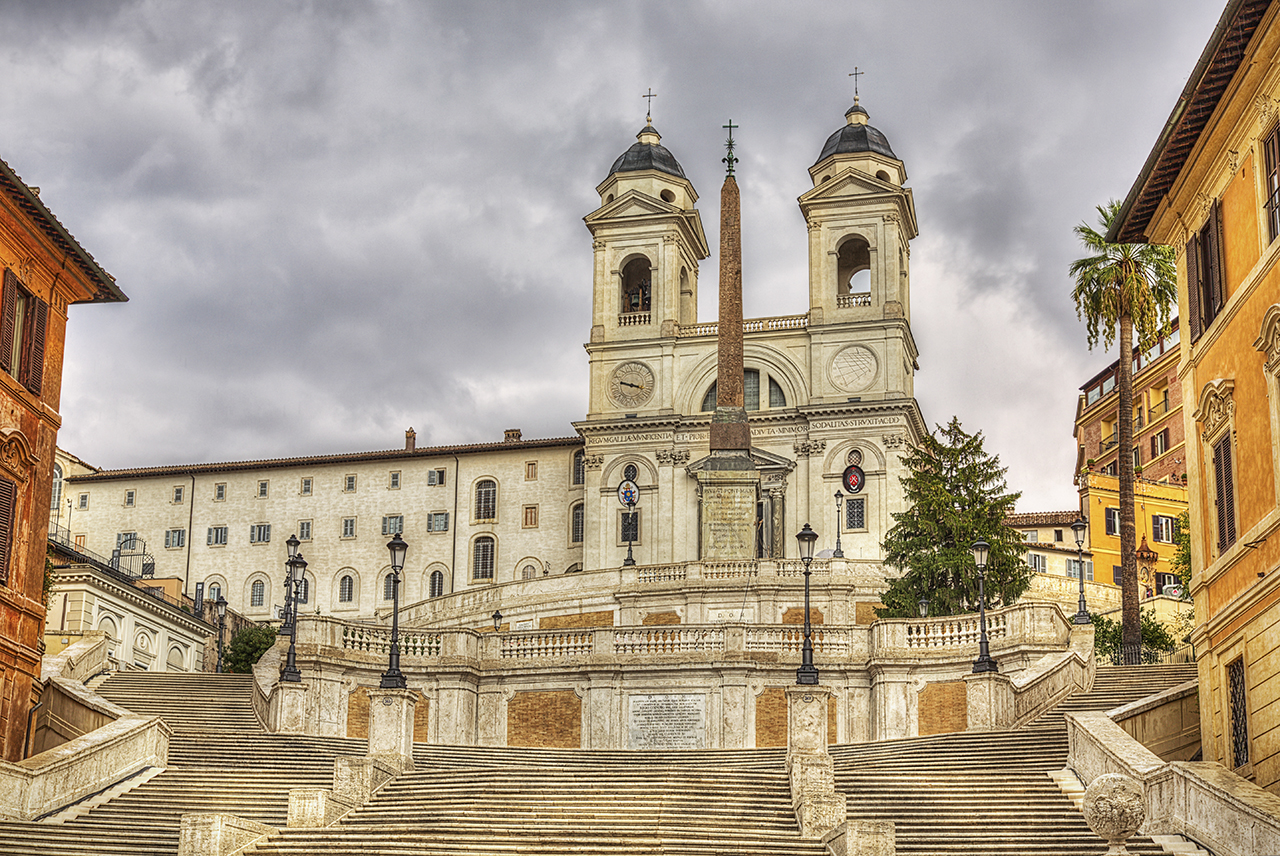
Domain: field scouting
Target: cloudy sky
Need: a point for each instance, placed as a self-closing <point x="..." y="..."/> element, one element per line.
<point x="338" y="220"/>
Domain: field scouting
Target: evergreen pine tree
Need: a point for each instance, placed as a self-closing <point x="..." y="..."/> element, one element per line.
<point x="957" y="494"/>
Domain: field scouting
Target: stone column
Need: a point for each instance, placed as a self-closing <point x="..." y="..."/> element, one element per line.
<point x="819" y="809"/>
<point x="391" y="726"/>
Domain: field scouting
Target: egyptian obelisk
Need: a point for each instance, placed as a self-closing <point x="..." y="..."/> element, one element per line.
<point x="729" y="482"/>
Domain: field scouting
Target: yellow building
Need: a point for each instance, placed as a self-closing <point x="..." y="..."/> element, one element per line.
<point x="1211" y="189"/>
<point x="1156" y="508"/>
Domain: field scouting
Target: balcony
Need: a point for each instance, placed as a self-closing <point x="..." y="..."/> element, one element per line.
<point x="1109" y="442"/>
<point x="1159" y="410"/>
<point x="633" y="319"/>
<point x="844" y="301"/>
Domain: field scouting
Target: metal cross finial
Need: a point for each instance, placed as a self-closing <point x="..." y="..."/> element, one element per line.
<point x="648" y="107"/>
<point x="729" y="158"/>
<point x="855" y="74"/>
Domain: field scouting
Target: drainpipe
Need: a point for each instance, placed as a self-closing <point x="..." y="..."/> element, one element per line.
<point x="453" y="560"/>
<point x="191" y="535"/>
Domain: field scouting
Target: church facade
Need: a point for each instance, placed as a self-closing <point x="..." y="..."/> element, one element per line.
<point x="825" y="388"/>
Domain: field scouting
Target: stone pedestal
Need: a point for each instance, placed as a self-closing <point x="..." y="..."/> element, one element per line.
<point x="287" y="708"/>
<point x="730" y="488"/>
<point x="316" y="807"/>
<point x="391" y="726"/>
<point x="217" y="834"/>
<point x="862" y="838"/>
<point x="989" y="698"/>
<point x="807" y="720"/>
<point x="819" y="809"/>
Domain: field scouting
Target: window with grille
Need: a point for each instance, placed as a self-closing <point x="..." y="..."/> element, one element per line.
<point x="482" y="559"/>
<point x="577" y="523"/>
<point x="487" y="500"/>
<point x="579" y="467"/>
<point x="304" y="590"/>
<point x="528" y="572"/>
<point x="388" y="586"/>
<point x="393" y="524"/>
<point x="855" y="513"/>
<point x="1239" y="713"/>
<point x="1225" y="489"/>
<point x="257" y="593"/>
<point x="346" y="589"/>
<point x="631" y="526"/>
<point x="348" y="527"/>
<point x="437" y="584"/>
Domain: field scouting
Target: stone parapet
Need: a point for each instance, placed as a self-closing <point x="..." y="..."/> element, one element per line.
<point x="862" y="838"/>
<point x="819" y="809"/>
<point x="391" y="726"/>
<point x="218" y="834"/>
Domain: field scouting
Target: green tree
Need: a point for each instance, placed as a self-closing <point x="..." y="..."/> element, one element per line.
<point x="1120" y="290"/>
<point x="957" y="494"/>
<point x="1157" y="639"/>
<point x="1180" y="564"/>
<point x="247" y="646"/>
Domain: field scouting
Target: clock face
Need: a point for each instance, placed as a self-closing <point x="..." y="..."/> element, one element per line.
<point x="854" y="368"/>
<point x="631" y="384"/>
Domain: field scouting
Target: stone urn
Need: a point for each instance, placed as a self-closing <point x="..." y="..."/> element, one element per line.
<point x="1114" y="809"/>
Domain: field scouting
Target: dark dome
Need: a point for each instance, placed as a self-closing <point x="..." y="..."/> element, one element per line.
<point x="647" y="155"/>
<point x="856" y="136"/>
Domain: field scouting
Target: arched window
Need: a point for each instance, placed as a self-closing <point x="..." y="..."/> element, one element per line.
<point x="346" y="589"/>
<point x="304" y="591"/>
<point x="630" y="472"/>
<point x="528" y="572"/>
<point x="437" y="584"/>
<point x="636" y="286"/>
<point x="579" y="467"/>
<point x="487" y="500"/>
<point x="55" y="498"/>
<point x="388" y="586"/>
<point x="257" y="593"/>
<point x="853" y="267"/>
<point x="176" y="661"/>
<point x="482" y="558"/>
<point x="750" y="393"/>
<point x="577" y="524"/>
<point x="215" y="592"/>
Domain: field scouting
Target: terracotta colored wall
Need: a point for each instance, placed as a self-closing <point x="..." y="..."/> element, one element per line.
<point x="654" y="619"/>
<point x="1240" y="225"/>
<point x="795" y="615"/>
<point x="864" y="612"/>
<point x="944" y="707"/>
<point x="358" y="715"/>
<point x="550" y="718"/>
<point x="771" y="718"/>
<point x="576" y="620"/>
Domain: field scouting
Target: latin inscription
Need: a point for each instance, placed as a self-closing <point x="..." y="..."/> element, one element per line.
<point x="667" y="721"/>
<point x="728" y="521"/>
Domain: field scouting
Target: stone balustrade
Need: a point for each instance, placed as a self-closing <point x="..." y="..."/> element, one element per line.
<point x="750" y="325"/>
<point x="1025" y="624"/>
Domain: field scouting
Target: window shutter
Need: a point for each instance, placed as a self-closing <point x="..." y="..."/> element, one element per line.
<point x="1153" y="446"/>
<point x="253" y="535"/>
<point x="34" y="364"/>
<point x="1225" y="488"/>
<point x="7" y="311"/>
<point x="209" y="540"/>
<point x="1214" y="255"/>
<point x="446" y="522"/>
<point x="1193" y="284"/>
<point x="8" y="497"/>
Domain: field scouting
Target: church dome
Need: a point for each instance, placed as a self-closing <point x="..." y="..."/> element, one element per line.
<point x="856" y="136"/>
<point x="647" y="153"/>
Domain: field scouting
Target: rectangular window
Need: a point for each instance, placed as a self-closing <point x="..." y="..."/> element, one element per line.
<point x="435" y="477"/>
<point x="1224" y="484"/>
<point x="1113" y="521"/>
<point x="1039" y="564"/>
<point x="530" y="470"/>
<point x="1073" y="569"/>
<point x="1116" y="575"/>
<point x="1094" y="394"/>
<point x="1159" y="443"/>
<point x="129" y="497"/>
<point x="1032" y="537"/>
<point x="22" y="334"/>
<point x="304" y="530"/>
<point x="1271" y="159"/>
<point x="577" y="523"/>
<point x="1239" y="710"/>
<point x="530" y="517"/>
<point x="8" y="504"/>
<point x="630" y="530"/>
<point x="855" y="513"/>
<point x="1137" y="459"/>
<point x="217" y="536"/>
<point x="1057" y="536"/>
<point x="84" y="501"/>
<point x="260" y="533"/>
<point x="393" y="482"/>
<point x="220" y="492"/>
<point x="1162" y="529"/>
<point x="393" y="524"/>
<point x="177" y="494"/>
<point x="306" y="487"/>
<point x="348" y="527"/>
<point x="80" y="541"/>
<point x="349" y="484"/>
<point x="1204" y="273"/>
<point x="438" y="521"/>
<point x="262" y="488"/>
<point x="175" y="538"/>
<point x="127" y="540"/>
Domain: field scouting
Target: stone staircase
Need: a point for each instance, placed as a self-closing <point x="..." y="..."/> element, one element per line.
<point x="1117" y="685"/>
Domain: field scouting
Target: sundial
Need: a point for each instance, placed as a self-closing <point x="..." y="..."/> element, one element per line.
<point x="854" y="368"/>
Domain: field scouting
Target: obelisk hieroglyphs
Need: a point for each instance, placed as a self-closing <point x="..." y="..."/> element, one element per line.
<point x="729" y="482"/>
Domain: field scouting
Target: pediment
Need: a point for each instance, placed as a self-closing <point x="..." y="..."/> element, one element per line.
<point x="633" y="203"/>
<point x="848" y="182"/>
<point x="763" y="460"/>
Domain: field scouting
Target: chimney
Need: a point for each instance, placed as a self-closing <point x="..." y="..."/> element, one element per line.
<point x="410" y="440"/>
<point x="511" y="435"/>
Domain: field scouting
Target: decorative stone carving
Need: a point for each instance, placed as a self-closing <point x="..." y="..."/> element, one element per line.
<point x="894" y="441"/>
<point x="1266" y="110"/>
<point x="16" y="456"/>
<point x="892" y="217"/>
<point x="598" y="245"/>
<point x="1114" y="809"/>
<point x="809" y="448"/>
<point x="1217" y="405"/>
<point x="1233" y="160"/>
<point x="26" y="271"/>
<point x="1269" y="339"/>
<point x="1200" y="205"/>
<point x="673" y="457"/>
<point x="592" y="462"/>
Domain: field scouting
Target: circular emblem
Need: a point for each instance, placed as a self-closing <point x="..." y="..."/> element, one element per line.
<point x="855" y="457"/>
<point x="631" y="384"/>
<point x="386" y="701"/>
<point x="854" y="368"/>
<point x="806" y="697"/>
<point x="628" y="493"/>
<point x="854" y="478"/>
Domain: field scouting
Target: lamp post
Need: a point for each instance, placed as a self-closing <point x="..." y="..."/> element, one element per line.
<point x="393" y="678"/>
<point x="923" y="605"/>
<point x="628" y="495"/>
<point x="1078" y="528"/>
<point x="807" y="674"/>
<point x="297" y="573"/>
<point x="287" y="621"/>
<point x="221" y="604"/>
<point x="984" y="663"/>
<point x="497" y="620"/>
<point x="837" y="553"/>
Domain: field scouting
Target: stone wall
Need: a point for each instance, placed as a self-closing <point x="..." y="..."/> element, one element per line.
<point x="546" y="718"/>
<point x="943" y="708"/>
<point x="603" y="618"/>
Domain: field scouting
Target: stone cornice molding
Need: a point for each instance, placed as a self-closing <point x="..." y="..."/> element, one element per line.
<point x="1216" y="406"/>
<point x="16" y="457"/>
<point x="1269" y="339"/>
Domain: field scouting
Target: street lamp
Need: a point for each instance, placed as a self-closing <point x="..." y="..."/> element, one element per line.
<point x="837" y="553"/>
<point x="807" y="674"/>
<point x="393" y="678"/>
<point x="293" y="582"/>
<point x="289" y="606"/>
<point x="1078" y="529"/>
<point x="221" y="604"/>
<point x="984" y="663"/>
<point x="923" y="605"/>
<point x="497" y="620"/>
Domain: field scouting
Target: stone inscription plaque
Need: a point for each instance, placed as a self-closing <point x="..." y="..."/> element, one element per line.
<point x="728" y="521"/>
<point x="667" y="721"/>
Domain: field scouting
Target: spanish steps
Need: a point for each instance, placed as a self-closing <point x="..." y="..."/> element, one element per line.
<point x="963" y="793"/>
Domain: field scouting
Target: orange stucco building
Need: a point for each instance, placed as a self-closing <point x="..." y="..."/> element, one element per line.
<point x="1211" y="189"/>
<point x="45" y="270"/>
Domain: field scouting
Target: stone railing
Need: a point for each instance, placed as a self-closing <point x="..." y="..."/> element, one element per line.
<point x="735" y="570"/>
<point x="834" y="643"/>
<point x="377" y="640"/>
<point x="962" y="630"/>
<point x="749" y="325"/>
<point x="845" y="301"/>
<point x="633" y="319"/>
<point x="660" y="641"/>
<point x="729" y="570"/>
<point x="79" y="661"/>
<point x="546" y="643"/>
<point x="1029" y="624"/>
<point x="661" y="573"/>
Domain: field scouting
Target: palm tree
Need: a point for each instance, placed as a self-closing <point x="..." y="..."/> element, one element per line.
<point x="1120" y="289"/>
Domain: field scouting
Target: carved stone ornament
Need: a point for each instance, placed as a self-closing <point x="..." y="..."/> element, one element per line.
<point x="1269" y="339"/>
<point x="673" y="457"/>
<point x="26" y="271"/>
<point x="1200" y="205"/>
<point x="894" y="441"/>
<point x="1266" y="110"/>
<point x="1114" y="809"/>
<point x="1217" y="405"/>
<point x="16" y="456"/>
<point x="598" y="245"/>
<point x="1233" y="160"/>
<point x="592" y="462"/>
<point x="809" y="448"/>
<point x="892" y="217"/>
